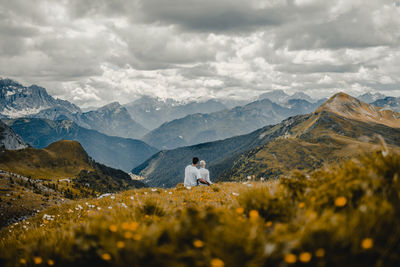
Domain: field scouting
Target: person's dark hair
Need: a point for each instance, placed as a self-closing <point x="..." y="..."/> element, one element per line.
<point x="195" y="160"/>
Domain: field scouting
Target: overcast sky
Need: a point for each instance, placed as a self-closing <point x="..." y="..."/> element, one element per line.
<point x="92" y="52"/>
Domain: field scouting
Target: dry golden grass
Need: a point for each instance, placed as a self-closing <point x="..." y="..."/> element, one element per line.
<point x="346" y="215"/>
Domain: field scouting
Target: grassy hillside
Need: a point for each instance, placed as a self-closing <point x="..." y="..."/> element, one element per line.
<point x="344" y="215"/>
<point x="64" y="159"/>
<point x="21" y="198"/>
<point x="38" y="178"/>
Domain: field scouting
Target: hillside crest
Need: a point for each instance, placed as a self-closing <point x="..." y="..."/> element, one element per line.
<point x="349" y="107"/>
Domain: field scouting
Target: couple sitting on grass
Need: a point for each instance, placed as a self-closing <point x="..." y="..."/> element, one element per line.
<point x="195" y="176"/>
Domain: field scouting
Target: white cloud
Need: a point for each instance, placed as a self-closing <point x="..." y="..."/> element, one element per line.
<point x="94" y="52"/>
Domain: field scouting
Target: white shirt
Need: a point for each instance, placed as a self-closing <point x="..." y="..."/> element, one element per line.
<point x="192" y="174"/>
<point x="205" y="174"/>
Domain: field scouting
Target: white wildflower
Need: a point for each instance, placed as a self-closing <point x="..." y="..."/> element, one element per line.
<point x="363" y="208"/>
<point x="268" y="249"/>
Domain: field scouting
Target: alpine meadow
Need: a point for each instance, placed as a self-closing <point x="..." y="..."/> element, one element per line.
<point x="200" y="133"/>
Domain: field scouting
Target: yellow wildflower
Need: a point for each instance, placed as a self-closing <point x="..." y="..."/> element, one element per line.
<point x="113" y="228"/>
<point x="367" y="243"/>
<point x="254" y="215"/>
<point x="305" y="257"/>
<point x="106" y="256"/>
<point x="130" y="226"/>
<point x="120" y="244"/>
<point x="340" y="201"/>
<point x="217" y="263"/>
<point x="290" y="258"/>
<point x="128" y="235"/>
<point x="198" y="243"/>
<point x="137" y="237"/>
<point x="239" y="210"/>
<point x="37" y="260"/>
<point x="320" y="253"/>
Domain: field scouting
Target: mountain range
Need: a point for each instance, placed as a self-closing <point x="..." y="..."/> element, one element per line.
<point x="201" y="128"/>
<point x="338" y="129"/>
<point x="280" y="97"/>
<point x="370" y="97"/>
<point x="152" y="112"/>
<point x="18" y="101"/>
<point x="117" y="152"/>
<point x="388" y="103"/>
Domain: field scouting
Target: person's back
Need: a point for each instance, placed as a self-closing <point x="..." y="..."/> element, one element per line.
<point x="192" y="174"/>
<point x="204" y="173"/>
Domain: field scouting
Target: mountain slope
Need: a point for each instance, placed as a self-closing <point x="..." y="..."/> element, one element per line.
<point x="9" y="139"/>
<point x="152" y="112"/>
<point x="200" y="128"/>
<point x="17" y="100"/>
<point x="304" y="142"/>
<point x="120" y="153"/>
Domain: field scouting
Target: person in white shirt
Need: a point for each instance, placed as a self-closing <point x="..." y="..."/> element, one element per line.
<point x="204" y="173"/>
<point x="192" y="174"/>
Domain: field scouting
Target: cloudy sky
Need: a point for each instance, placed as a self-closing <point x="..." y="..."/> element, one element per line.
<point x="96" y="51"/>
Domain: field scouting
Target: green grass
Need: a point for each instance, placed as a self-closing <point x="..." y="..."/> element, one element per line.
<point x="345" y="215"/>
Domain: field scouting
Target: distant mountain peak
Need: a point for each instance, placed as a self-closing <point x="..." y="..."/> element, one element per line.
<point x="113" y="105"/>
<point x="352" y="108"/>
<point x="17" y="100"/>
<point x="370" y="97"/>
<point x="280" y="97"/>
